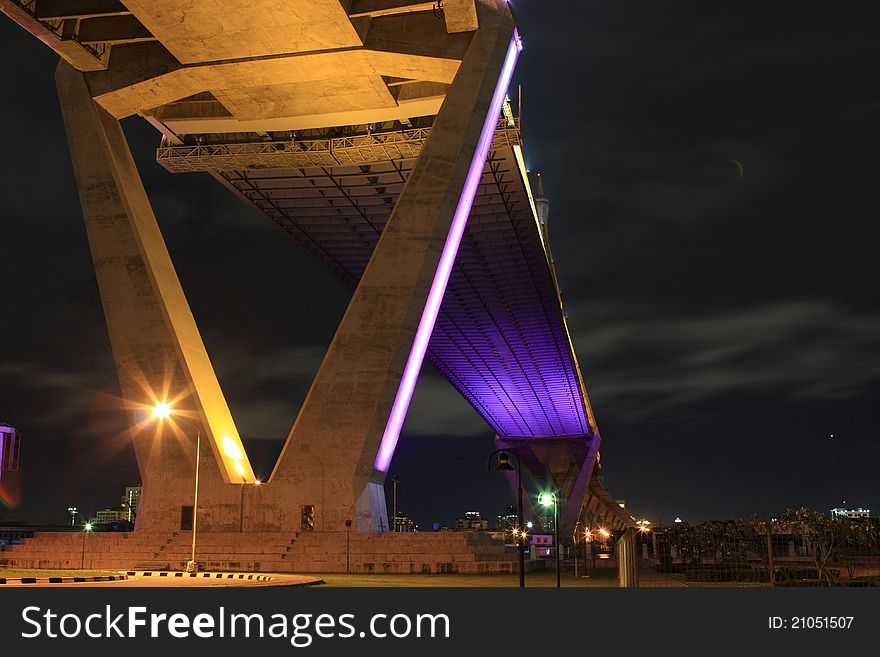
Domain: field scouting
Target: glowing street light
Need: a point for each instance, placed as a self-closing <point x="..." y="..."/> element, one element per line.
<point x="87" y="528"/>
<point x="546" y="499"/>
<point x="162" y="411"/>
<point x="574" y="539"/>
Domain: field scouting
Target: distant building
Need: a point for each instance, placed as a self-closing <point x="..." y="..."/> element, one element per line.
<point x="545" y="522"/>
<point x="10" y="449"/>
<point x="541" y="546"/>
<point x="471" y="521"/>
<point x="403" y="523"/>
<point x="106" y="516"/>
<point x="10" y="464"/>
<point x="850" y="513"/>
<point x="129" y="504"/>
<point x="507" y="522"/>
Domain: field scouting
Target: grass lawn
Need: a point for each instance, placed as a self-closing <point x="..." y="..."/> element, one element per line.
<point x="34" y="572"/>
<point x="597" y="578"/>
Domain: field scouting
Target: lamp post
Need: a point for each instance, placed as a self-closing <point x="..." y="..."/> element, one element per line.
<point x="504" y="465"/>
<point x="546" y="499"/>
<point x="394" y="480"/>
<point x="192" y="566"/>
<point x="162" y="411"/>
<point x="588" y="540"/>
<point x="348" y="546"/>
<point x="241" y="504"/>
<point x="87" y="528"/>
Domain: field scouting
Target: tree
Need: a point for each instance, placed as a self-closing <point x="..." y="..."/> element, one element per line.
<point x="824" y="536"/>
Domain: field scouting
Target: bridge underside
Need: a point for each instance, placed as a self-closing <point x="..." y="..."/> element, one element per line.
<point x="500" y="337"/>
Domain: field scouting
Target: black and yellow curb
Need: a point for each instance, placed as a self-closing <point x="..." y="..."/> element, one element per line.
<point x="61" y="580"/>
<point x="167" y="573"/>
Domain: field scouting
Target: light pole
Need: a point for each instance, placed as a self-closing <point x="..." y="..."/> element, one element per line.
<point x="588" y="539"/>
<point x="87" y="528"/>
<point x="348" y="546"/>
<point x="394" y="480"/>
<point x="162" y="411"/>
<point x="241" y="505"/>
<point x="191" y="565"/>
<point x="546" y="499"/>
<point x="72" y="510"/>
<point x="504" y="465"/>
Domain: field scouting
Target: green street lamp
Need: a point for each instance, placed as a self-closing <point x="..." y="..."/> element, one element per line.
<point x="546" y="499"/>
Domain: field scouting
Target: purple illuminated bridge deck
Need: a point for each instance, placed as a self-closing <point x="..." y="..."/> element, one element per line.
<point x="501" y="337"/>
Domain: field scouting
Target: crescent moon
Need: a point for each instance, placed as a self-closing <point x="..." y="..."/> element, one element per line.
<point x="739" y="168"/>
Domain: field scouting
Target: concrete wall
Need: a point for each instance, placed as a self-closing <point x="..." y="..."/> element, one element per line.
<point x="327" y="552"/>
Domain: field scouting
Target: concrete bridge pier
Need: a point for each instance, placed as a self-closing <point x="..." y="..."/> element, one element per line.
<point x="158" y="351"/>
<point x="352" y="417"/>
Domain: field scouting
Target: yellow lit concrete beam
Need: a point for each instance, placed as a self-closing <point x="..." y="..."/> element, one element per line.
<point x="114" y="200"/>
<point x="460" y="15"/>
<point x="350" y="94"/>
<point x="198" y="31"/>
<point x="143" y="91"/>
<point x="200" y="125"/>
<point x="377" y="8"/>
<point x="70" y="51"/>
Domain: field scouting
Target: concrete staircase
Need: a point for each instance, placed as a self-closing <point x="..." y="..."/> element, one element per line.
<point x="304" y="552"/>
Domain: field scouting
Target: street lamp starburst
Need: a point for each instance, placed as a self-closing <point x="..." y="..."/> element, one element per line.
<point x="162" y="410"/>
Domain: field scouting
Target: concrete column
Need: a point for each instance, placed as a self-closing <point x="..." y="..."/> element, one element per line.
<point x="627" y="563"/>
<point x="158" y="351"/>
<point x="332" y="447"/>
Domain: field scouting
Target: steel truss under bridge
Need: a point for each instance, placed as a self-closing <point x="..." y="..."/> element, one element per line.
<point x="350" y="150"/>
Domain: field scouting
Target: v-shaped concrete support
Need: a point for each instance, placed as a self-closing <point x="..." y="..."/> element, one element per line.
<point x="159" y="352"/>
<point x="340" y="447"/>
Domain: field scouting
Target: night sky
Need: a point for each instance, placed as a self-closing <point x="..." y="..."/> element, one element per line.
<point x="725" y="325"/>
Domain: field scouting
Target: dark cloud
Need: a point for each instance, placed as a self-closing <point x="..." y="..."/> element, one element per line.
<point x="799" y="351"/>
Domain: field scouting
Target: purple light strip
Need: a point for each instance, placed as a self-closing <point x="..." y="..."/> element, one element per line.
<point x="444" y="269"/>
